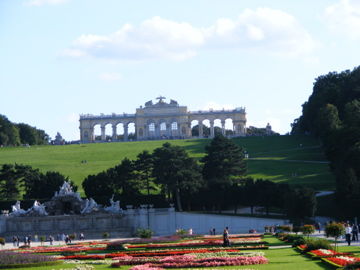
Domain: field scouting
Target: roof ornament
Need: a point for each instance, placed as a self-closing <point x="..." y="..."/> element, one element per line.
<point x="160" y="98"/>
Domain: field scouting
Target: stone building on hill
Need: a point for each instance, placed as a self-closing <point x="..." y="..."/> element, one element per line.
<point x="161" y="120"/>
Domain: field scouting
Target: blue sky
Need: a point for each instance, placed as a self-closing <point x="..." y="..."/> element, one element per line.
<point x="62" y="58"/>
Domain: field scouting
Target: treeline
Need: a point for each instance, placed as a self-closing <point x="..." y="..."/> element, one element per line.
<point x="332" y="113"/>
<point x="12" y="134"/>
<point x="22" y="182"/>
<point x="216" y="182"/>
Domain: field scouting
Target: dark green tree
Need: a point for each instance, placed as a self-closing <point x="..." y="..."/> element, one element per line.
<point x="124" y="178"/>
<point x="223" y="162"/>
<point x="143" y="167"/>
<point x="9" y="183"/>
<point x="43" y="186"/>
<point x="176" y="172"/>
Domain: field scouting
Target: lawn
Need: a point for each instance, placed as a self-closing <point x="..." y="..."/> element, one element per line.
<point x="283" y="159"/>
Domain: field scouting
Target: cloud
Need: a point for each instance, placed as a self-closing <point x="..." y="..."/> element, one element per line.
<point x="344" y="17"/>
<point x="110" y="76"/>
<point x="266" y="29"/>
<point x="45" y="2"/>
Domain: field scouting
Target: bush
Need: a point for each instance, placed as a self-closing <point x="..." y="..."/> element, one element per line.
<point x="105" y="235"/>
<point x="313" y="244"/>
<point x="2" y="241"/>
<point x="72" y="236"/>
<point x="307" y="229"/>
<point x="144" y="233"/>
<point x="117" y="245"/>
<point x="334" y="230"/>
<point x="181" y="232"/>
<point x="299" y="241"/>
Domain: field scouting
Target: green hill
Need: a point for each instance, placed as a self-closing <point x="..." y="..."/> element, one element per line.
<point x="289" y="159"/>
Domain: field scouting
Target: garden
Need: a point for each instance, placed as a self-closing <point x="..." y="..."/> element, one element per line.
<point x="247" y="251"/>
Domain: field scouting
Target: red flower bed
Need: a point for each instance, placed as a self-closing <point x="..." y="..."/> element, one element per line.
<point x="341" y="261"/>
<point x="326" y="253"/>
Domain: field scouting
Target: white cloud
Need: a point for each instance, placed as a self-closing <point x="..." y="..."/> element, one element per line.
<point x="270" y="30"/>
<point x="45" y="2"/>
<point x="110" y="76"/>
<point x="344" y="17"/>
<point x="154" y="38"/>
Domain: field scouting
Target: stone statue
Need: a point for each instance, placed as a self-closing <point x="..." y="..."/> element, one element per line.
<point x="173" y="102"/>
<point x="37" y="209"/>
<point x="114" y="207"/>
<point x="67" y="190"/>
<point x="90" y="206"/>
<point x="149" y="103"/>
<point x="16" y="209"/>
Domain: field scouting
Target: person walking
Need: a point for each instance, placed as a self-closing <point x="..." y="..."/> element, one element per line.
<point x="348" y="230"/>
<point x="355" y="233"/>
<point x="226" y="240"/>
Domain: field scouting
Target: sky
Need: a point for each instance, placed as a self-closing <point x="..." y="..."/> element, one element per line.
<point x="63" y="58"/>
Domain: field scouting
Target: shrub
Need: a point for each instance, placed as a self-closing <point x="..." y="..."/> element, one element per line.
<point x="181" y="232"/>
<point x="105" y="235"/>
<point x="299" y="241"/>
<point x="72" y="236"/>
<point x="42" y="239"/>
<point x="144" y="233"/>
<point x="2" y="241"/>
<point x="313" y="244"/>
<point x="307" y="229"/>
<point x="334" y="230"/>
<point x="353" y="266"/>
<point x="116" y="245"/>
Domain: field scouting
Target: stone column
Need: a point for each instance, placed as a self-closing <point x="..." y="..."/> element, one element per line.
<point x="168" y="130"/>
<point x="157" y="130"/>
<point x="103" y="136"/>
<point x="223" y="127"/>
<point x="126" y="133"/>
<point x="201" y="134"/>
<point x="114" y="135"/>
<point x="212" y="131"/>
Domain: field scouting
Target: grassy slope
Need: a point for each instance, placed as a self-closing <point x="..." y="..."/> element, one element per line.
<point x="276" y="158"/>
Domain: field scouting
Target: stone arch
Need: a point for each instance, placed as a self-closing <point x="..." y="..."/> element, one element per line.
<point x="130" y="130"/>
<point x="96" y="132"/>
<point x="194" y="126"/>
<point x="229" y="127"/>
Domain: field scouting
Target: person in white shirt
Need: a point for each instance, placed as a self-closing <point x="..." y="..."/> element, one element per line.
<point x="348" y="231"/>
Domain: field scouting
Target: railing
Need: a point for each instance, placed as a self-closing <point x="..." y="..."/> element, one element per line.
<point x="106" y="116"/>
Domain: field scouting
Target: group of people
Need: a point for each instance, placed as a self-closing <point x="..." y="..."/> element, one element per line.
<point x="60" y="237"/>
<point x="26" y="239"/>
<point x="351" y="232"/>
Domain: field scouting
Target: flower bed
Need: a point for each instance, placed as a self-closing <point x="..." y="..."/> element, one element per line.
<point x="186" y="261"/>
<point x="322" y="253"/>
<point x="341" y="261"/>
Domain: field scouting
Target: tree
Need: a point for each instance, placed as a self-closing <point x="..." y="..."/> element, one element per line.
<point x="223" y="162"/>
<point x="300" y="203"/>
<point x="9" y="134"/>
<point x="334" y="230"/>
<point x="98" y="186"/>
<point x="43" y="186"/>
<point x="307" y="229"/>
<point x="176" y="171"/>
<point x="143" y="167"/>
<point x="124" y="178"/>
<point x="9" y="182"/>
